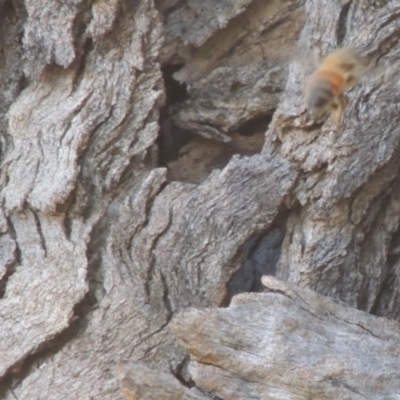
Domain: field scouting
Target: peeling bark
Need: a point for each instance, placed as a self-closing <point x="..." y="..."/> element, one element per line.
<point x="290" y="343"/>
<point x="138" y="381"/>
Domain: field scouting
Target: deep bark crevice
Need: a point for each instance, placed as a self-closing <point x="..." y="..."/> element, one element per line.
<point x="342" y="23"/>
<point x="11" y="266"/>
<point x="16" y="374"/>
<point x="260" y="257"/>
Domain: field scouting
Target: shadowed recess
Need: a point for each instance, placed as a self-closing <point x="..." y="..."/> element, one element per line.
<point x="261" y="255"/>
<point x="342" y="23"/>
<point x="171" y="138"/>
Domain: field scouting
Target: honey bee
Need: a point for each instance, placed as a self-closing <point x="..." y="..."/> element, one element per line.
<point x="339" y="71"/>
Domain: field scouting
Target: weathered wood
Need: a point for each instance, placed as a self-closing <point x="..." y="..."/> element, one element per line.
<point x="99" y="249"/>
<point x="239" y="74"/>
<point x="290" y="343"/>
<point x="139" y="382"/>
<point x="339" y="239"/>
<point x="57" y="205"/>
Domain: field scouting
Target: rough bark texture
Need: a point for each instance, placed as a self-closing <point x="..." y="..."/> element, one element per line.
<point x="157" y="156"/>
<point x="290" y="343"/>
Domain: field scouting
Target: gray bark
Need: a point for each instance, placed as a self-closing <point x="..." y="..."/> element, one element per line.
<point x="159" y="156"/>
<point x="290" y="343"/>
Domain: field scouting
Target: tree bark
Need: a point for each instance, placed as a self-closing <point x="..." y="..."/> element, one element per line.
<point x="290" y="343"/>
<point x="157" y="156"/>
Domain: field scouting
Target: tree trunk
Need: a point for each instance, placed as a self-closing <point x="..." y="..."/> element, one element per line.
<point x="159" y="156"/>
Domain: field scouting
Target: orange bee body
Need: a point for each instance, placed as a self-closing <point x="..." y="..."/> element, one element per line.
<point x="339" y="71"/>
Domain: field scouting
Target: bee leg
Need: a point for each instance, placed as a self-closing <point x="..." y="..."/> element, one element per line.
<point x="343" y="100"/>
<point x="338" y="109"/>
<point x="351" y="81"/>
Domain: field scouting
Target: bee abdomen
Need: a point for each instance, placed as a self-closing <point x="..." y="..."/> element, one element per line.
<point x="319" y="94"/>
